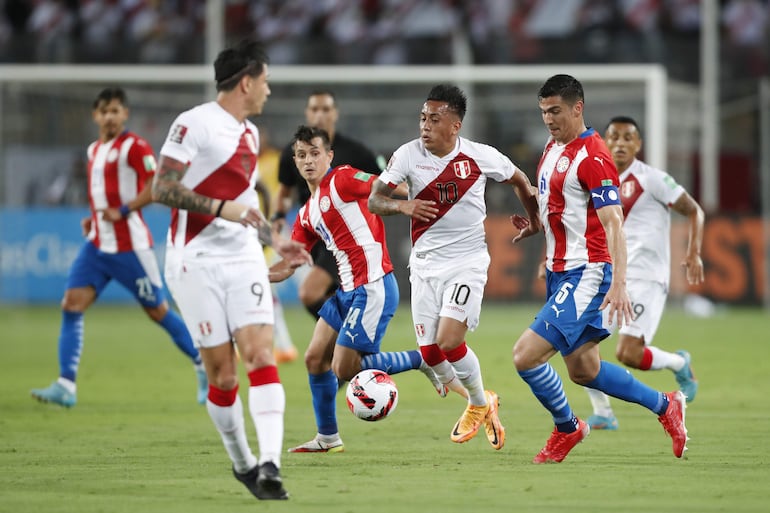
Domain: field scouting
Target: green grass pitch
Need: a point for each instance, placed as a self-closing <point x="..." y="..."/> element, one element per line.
<point x="138" y="442"/>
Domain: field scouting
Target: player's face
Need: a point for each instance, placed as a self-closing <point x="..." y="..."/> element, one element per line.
<point x="321" y="112"/>
<point x="110" y="117"/>
<point x="563" y="121"/>
<point x="258" y="91"/>
<point x="624" y="143"/>
<point x="312" y="160"/>
<point x="439" y="127"/>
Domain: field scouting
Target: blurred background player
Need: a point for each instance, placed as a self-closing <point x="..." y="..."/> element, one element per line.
<point x="582" y="219"/>
<point x="447" y="176"/>
<point x="267" y="188"/>
<point x="647" y="196"/>
<point x="215" y="265"/>
<point x="121" y="166"/>
<point x="353" y="321"/>
<point x="321" y="111"/>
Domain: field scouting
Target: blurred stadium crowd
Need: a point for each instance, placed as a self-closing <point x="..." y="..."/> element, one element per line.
<point x="391" y="31"/>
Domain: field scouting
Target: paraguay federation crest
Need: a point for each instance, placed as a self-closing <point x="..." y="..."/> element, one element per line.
<point x="324" y="203"/>
<point x="462" y="169"/>
<point x="562" y="164"/>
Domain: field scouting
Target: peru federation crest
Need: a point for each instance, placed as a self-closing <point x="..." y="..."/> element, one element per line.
<point x="462" y="169"/>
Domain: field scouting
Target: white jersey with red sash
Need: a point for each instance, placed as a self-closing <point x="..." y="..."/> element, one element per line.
<point x="456" y="182"/>
<point x="337" y="214"/>
<point x="573" y="181"/>
<point x="117" y="172"/>
<point x="222" y="157"/>
<point x="647" y="194"/>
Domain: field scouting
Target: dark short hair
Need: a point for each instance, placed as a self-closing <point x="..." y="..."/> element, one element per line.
<point x="452" y="96"/>
<point x="568" y="87"/>
<point x="306" y="134"/>
<point x="232" y="64"/>
<point x="627" y="120"/>
<point x="323" y="92"/>
<point x="108" y="94"/>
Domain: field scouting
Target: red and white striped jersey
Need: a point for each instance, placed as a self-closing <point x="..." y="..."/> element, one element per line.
<point x="222" y="157"/>
<point x="646" y="194"/>
<point x="117" y="172"/>
<point x="573" y="181"/>
<point x="456" y="182"/>
<point x="338" y="215"/>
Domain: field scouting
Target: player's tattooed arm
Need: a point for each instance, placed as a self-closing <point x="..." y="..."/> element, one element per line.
<point x="167" y="188"/>
<point x="382" y="202"/>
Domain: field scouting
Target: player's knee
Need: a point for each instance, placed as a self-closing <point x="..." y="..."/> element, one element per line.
<point x="315" y="362"/>
<point x="344" y="371"/>
<point x="520" y="359"/>
<point x="309" y="296"/>
<point x="629" y="355"/>
<point x="157" y="313"/>
<point x="224" y="381"/>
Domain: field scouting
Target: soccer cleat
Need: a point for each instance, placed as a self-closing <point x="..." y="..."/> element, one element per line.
<point x="55" y="393"/>
<point x="249" y="479"/>
<point x="685" y="377"/>
<point x="270" y="484"/>
<point x="318" y="445"/>
<point x="602" y="422"/>
<point x="203" y="385"/>
<point x="494" y="429"/>
<point x="426" y="369"/>
<point x="469" y="423"/>
<point x="560" y="444"/>
<point x="285" y="355"/>
<point x="673" y="422"/>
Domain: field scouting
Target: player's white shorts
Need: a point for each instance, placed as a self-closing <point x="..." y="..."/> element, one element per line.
<point x="648" y="298"/>
<point x="454" y="292"/>
<point x="216" y="298"/>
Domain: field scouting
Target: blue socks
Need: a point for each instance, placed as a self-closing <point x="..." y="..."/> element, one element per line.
<point x="175" y="327"/>
<point x="547" y="387"/>
<point x="392" y="363"/>
<point x="70" y="344"/>
<point x="323" y="388"/>
<point x="618" y="382"/>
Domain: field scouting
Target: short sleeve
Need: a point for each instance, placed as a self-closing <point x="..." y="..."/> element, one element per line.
<point x="185" y="138"/>
<point x="397" y="169"/>
<point x="142" y="159"/>
<point x="664" y="188"/>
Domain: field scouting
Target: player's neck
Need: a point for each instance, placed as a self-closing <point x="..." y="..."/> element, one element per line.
<point x="107" y="137"/>
<point x="230" y="105"/>
<point x="572" y="134"/>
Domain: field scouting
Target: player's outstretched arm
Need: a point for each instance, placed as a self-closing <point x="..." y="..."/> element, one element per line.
<point x="382" y="202"/>
<point x="611" y="217"/>
<point x="692" y="262"/>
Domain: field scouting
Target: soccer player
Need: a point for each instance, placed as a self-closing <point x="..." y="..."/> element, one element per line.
<point x="647" y="196"/>
<point x="447" y="176"/>
<point x="582" y="219"/>
<point x="321" y="111"/>
<point x="118" y="247"/>
<point x="353" y="321"/>
<point x="215" y="266"/>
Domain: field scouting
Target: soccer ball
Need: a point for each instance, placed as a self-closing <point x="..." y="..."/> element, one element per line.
<point x="372" y="395"/>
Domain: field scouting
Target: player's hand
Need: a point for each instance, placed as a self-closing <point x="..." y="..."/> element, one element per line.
<point x="693" y="266"/>
<point x="421" y="210"/>
<point x="111" y="214"/>
<point x="280" y="271"/>
<point x="525" y="227"/>
<point x="619" y="305"/>
<point x="85" y="226"/>
<point x="293" y="252"/>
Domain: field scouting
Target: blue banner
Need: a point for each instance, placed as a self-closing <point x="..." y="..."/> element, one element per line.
<point x="38" y="246"/>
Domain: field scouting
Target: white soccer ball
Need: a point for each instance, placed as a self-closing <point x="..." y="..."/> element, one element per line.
<point x="372" y="395"/>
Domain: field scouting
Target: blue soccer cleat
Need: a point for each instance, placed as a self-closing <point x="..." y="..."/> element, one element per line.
<point x="601" y="422"/>
<point x="685" y="377"/>
<point x="203" y="385"/>
<point x="55" y="393"/>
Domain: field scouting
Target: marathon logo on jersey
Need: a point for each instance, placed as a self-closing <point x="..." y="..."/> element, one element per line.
<point x="419" y="329"/>
<point x="149" y="163"/>
<point x="462" y="169"/>
<point x="177" y="134"/>
<point x="562" y="164"/>
<point x="205" y="328"/>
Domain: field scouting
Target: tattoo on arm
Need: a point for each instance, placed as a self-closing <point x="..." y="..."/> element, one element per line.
<point x="167" y="188"/>
<point x="380" y="200"/>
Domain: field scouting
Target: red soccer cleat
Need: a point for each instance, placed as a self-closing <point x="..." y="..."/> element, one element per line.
<point x="673" y="422"/>
<point x="560" y="444"/>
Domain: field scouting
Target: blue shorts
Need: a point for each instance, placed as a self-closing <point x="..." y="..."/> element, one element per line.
<point x="571" y="316"/>
<point x="137" y="271"/>
<point x="361" y="315"/>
